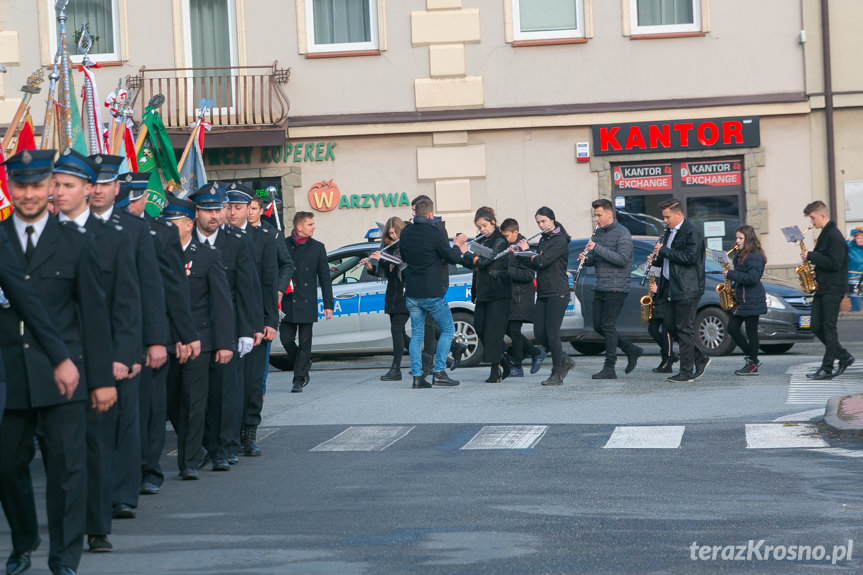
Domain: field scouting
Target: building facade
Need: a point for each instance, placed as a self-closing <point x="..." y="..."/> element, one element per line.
<point x="350" y="108"/>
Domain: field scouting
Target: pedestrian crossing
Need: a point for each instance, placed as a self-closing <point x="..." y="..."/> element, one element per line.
<point x="805" y="391"/>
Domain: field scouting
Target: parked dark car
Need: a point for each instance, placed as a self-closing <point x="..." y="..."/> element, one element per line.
<point x="786" y="322"/>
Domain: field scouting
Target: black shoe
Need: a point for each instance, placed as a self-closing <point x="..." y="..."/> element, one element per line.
<point x="20" y="562"/>
<point x="394" y="374"/>
<point x="821" y="374"/>
<point x="568" y="364"/>
<point x="536" y="361"/>
<point x="221" y="465"/>
<point x="148" y="488"/>
<point x="204" y="461"/>
<point x="494" y="376"/>
<point x="233" y="459"/>
<point x="441" y="378"/>
<point x="458" y="350"/>
<point x="607" y="372"/>
<point x="297" y="387"/>
<point x="123" y="511"/>
<point x="189" y="474"/>
<point x="63" y="571"/>
<point x="505" y="366"/>
<point x="751" y="368"/>
<point x="420" y="382"/>
<point x="250" y="448"/>
<point x="632" y="358"/>
<point x="680" y="378"/>
<point x="675" y="357"/>
<point x="700" y="366"/>
<point x="666" y="366"/>
<point x="99" y="544"/>
<point x="553" y="379"/>
<point x="843" y="365"/>
<point x="306" y="380"/>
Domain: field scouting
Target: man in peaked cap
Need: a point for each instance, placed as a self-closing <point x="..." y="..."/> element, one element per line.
<point x="154" y="327"/>
<point x="47" y="249"/>
<point x="74" y="177"/>
<point x="225" y="381"/>
<point x="212" y="312"/>
<point x="254" y="365"/>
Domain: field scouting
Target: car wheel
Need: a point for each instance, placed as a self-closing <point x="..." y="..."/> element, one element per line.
<point x="588" y="347"/>
<point x="282" y="362"/>
<point x="465" y="333"/>
<point x="711" y="332"/>
<point x="776" y="347"/>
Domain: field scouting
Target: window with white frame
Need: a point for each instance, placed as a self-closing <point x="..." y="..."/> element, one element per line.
<point x="341" y="25"/>
<point x="103" y="24"/>
<point x="547" y="19"/>
<point x="664" y="16"/>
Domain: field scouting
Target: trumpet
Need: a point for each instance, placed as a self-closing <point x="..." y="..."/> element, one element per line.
<point x="725" y="291"/>
<point x="514" y="246"/>
<point x="583" y="253"/>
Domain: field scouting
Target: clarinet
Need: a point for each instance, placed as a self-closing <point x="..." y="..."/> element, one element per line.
<point x="649" y="263"/>
<point x="514" y="246"/>
<point x="584" y="253"/>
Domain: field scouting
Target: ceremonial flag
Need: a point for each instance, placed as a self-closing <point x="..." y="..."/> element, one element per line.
<point x="26" y="137"/>
<point x="5" y="202"/>
<point x="192" y="173"/>
<point x="79" y="138"/>
<point x="157" y="154"/>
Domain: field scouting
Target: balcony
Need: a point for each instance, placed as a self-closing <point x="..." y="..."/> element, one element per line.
<point x="250" y="109"/>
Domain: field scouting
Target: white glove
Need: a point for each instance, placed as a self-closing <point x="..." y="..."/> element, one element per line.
<point x="245" y="345"/>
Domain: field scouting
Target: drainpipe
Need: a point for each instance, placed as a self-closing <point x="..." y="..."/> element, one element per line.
<point x="828" y="107"/>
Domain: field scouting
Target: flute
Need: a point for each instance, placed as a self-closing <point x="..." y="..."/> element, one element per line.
<point x="584" y="253"/>
<point x="514" y="246"/>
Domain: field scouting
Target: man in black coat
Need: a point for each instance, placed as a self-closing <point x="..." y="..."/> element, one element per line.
<point x="300" y="302"/>
<point x="254" y="365"/>
<point x="74" y="177"/>
<point x="62" y="269"/>
<point x="682" y="284"/>
<point x="830" y="258"/>
<point x="127" y="435"/>
<point x="213" y="315"/>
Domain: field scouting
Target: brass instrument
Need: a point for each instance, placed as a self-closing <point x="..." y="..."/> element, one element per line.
<point x="725" y="291"/>
<point x="648" y="304"/>
<point x="805" y="273"/>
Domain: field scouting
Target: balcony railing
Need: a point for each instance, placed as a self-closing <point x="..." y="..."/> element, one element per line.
<point x="244" y="96"/>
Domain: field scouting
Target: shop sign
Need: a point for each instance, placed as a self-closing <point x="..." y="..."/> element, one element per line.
<point x="292" y="152"/>
<point x="325" y="196"/>
<point x="708" y="134"/>
<point x="711" y="173"/>
<point x="643" y="177"/>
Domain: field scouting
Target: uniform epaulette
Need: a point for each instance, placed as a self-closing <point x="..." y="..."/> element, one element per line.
<point x="238" y="233"/>
<point x="73" y="226"/>
<point x="211" y="246"/>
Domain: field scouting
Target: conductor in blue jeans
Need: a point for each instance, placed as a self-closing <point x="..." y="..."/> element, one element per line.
<point x="424" y="248"/>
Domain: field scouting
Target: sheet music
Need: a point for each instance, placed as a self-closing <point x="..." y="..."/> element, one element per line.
<point x="720" y="256"/>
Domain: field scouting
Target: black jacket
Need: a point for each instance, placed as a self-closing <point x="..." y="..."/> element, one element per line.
<point x="310" y="271"/>
<point x="64" y="272"/>
<point x="286" y="264"/>
<point x="830" y="258"/>
<point x="523" y="290"/>
<point x="426" y="251"/>
<point x="267" y="266"/>
<point x="750" y="297"/>
<point x="394" y="299"/>
<point x="238" y="261"/>
<point x="210" y="296"/>
<point x="612" y="258"/>
<point x="686" y="263"/>
<point x="550" y="264"/>
<point x="169" y="254"/>
<point x="491" y="280"/>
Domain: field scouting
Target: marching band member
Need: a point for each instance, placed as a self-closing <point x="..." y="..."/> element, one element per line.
<point x="749" y="296"/>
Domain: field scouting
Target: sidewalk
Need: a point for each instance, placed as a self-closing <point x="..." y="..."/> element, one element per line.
<point x="844" y="414"/>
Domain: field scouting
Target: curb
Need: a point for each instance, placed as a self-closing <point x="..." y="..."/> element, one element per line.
<point x="834" y="411"/>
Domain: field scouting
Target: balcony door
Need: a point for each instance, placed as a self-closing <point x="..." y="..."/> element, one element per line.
<point x="211" y="42"/>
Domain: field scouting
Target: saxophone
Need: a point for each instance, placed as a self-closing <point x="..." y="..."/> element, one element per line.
<point x="725" y="291"/>
<point x="805" y="274"/>
<point x="648" y="302"/>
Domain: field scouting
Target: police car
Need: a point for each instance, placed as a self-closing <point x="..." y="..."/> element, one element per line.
<point x="360" y="326"/>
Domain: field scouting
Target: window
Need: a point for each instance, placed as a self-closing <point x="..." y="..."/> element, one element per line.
<point x="665" y="16"/>
<point x="212" y="44"/>
<point x="547" y="19"/>
<point x="103" y="24"/>
<point x="341" y="25"/>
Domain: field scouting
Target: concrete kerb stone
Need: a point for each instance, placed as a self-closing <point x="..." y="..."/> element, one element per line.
<point x="844" y="414"/>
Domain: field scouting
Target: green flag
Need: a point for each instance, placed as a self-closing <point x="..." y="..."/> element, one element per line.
<point x="157" y="154"/>
<point x="79" y="138"/>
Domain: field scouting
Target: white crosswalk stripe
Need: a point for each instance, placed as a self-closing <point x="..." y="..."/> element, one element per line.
<point x="841" y="451"/>
<point x="507" y="437"/>
<point x="646" y="437"/>
<point x="805" y="391"/>
<point x="365" y="438"/>
<point x="782" y="436"/>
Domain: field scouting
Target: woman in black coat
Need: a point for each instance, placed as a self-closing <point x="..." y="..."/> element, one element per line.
<point x="749" y="296"/>
<point x="492" y="292"/>
<point x="395" y="304"/>
<point x="552" y="291"/>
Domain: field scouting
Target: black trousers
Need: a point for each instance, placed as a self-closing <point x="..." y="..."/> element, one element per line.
<point x="63" y="444"/>
<point x="187" y="389"/>
<point x="490" y="319"/>
<point x="825" y="315"/>
<point x="679" y="317"/>
<point x="749" y="342"/>
<point x="607" y="306"/>
<point x="398" y="321"/>
<point x="547" y="319"/>
<point x="101" y="431"/>
<point x="662" y="338"/>
<point x="254" y="368"/>
<point x="302" y="349"/>
<point x="153" y="412"/>
<point x="521" y="347"/>
<point x="127" y="443"/>
<point x="224" y="404"/>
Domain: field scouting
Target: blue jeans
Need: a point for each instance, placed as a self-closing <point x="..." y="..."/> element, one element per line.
<point x="439" y="311"/>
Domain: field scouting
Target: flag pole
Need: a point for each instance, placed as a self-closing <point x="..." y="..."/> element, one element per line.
<point x="154" y="103"/>
<point x="53" y="76"/>
<point x="84" y="45"/>
<point x="204" y="106"/>
<point x="66" y="94"/>
<point x="32" y="86"/>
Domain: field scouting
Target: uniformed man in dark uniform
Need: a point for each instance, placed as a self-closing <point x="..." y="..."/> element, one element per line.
<point x="74" y="176"/>
<point x="62" y="269"/>
<point x="221" y="434"/>
<point x="254" y="364"/>
<point x="212" y="312"/>
<point x="154" y="326"/>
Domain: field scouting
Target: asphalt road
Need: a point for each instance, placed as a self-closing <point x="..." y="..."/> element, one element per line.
<point x="634" y="475"/>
